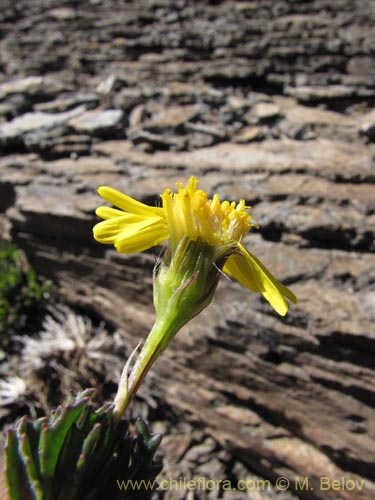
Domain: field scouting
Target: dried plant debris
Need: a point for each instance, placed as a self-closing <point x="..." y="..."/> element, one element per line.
<point x="73" y="338"/>
<point x="12" y="390"/>
<point x="70" y="353"/>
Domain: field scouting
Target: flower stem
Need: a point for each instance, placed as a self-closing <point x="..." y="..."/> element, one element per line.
<point x="128" y="386"/>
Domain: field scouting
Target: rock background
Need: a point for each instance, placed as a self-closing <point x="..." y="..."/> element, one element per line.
<point x="268" y="101"/>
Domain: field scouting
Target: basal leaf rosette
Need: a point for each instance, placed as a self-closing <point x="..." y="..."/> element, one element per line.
<point x="79" y="453"/>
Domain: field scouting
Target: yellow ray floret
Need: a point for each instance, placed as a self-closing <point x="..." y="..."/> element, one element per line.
<point x="133" y="229"/>
<point x="251" y="273"/>
<point x="190" y="213"/>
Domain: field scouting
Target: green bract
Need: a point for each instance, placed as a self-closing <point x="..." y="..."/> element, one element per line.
<point x="184" y="284"/>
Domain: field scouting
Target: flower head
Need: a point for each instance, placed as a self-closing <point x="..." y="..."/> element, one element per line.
<point x="190" y="215"/>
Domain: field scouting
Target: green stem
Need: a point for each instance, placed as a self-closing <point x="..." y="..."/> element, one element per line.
<point x="154" y="345"/>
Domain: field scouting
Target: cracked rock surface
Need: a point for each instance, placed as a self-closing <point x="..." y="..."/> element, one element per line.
<point x="272" y="102"/>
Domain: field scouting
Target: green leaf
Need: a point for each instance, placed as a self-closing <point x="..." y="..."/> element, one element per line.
<point x="88" y="447"/>
<point x="31" y="466"/>
<point x="17" y="481"/>
<point x="52" y="439"/>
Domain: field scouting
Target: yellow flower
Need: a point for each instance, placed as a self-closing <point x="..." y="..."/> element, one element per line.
<point x="204" y="238"/>
<point x="190" y="214"/>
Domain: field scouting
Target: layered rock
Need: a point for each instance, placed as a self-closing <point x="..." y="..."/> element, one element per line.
<point x="315" y="49"/>
<point x="142" y="97"/>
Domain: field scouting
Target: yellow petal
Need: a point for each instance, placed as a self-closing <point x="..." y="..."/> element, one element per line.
<point x="131" y="233"/>
<point x="252" y="274"/>
<point x="109" y="230"/>
<point x="141" y="239"/>
<point x="109" y="212"/>
<point x="127" y="203"/>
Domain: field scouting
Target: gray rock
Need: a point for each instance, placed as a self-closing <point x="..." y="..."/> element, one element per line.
<point x="67" y="102"/>
<point x="265" y="111"/>
<point x="319" y="92"/>
<point x="32" y="86"/>
<point x="63" y="14"/>
<point x="171" y="118"/>
<point x="98" y="122"/>
<point x="248" y="134"/>
<point x="368" y="125"/>
<point x="36" y="120"/>
<point x="157" y="141"/>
